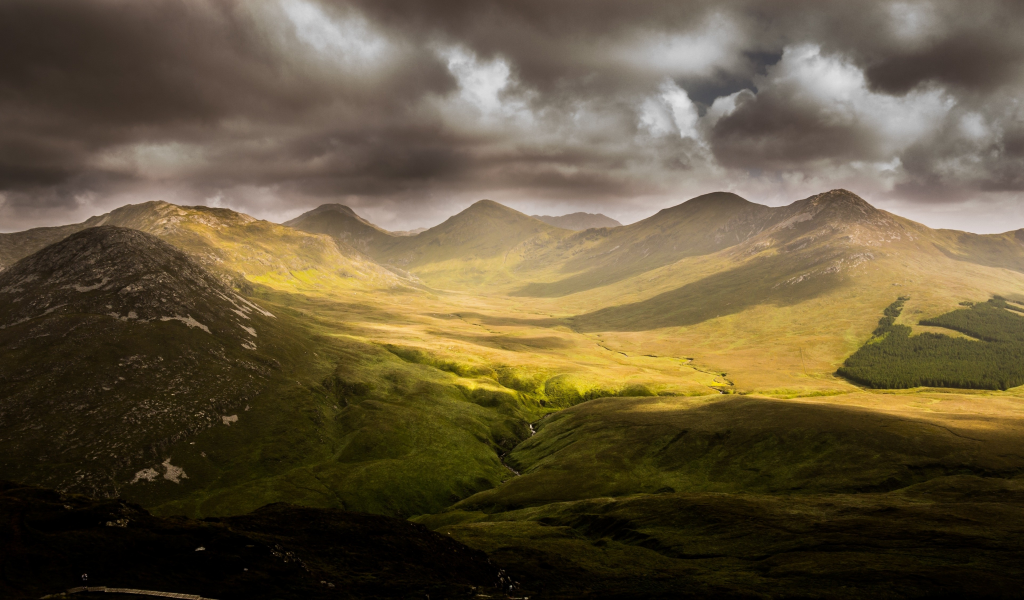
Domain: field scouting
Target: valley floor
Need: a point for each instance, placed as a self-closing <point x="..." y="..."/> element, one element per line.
<point x="656" y="475"/>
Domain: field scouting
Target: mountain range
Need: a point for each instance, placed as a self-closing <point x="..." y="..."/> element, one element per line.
<point x="591" y="407"/>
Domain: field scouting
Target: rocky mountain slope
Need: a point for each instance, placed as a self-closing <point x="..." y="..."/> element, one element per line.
<point x="115" y="345"/>
<point x="579" y="221"/>
<point x="128" y="369"/>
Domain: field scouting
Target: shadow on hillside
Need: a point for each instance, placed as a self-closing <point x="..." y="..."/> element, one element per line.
<point x="589" y="280"/>
<point x="773" y="280"/>
<point x="987" y="252"/>
<point x="497" y="321"/>
<point x="508" y="342"/>
<point x="747" y="445"/>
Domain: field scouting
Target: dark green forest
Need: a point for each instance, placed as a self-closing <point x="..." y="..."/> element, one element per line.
<point x="893" y="358"/>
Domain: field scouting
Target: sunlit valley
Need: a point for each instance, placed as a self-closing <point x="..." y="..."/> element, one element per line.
<point x="608" y="411"/>
<point x="511" y="300"/>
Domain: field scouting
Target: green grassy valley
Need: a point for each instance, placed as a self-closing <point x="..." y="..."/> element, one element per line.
<point x="704" y="403"/>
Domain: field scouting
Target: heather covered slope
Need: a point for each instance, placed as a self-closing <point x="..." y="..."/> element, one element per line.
<point x="841" y="497"/>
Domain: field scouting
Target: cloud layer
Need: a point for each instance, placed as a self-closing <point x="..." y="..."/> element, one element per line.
<point x="409" y="111"/>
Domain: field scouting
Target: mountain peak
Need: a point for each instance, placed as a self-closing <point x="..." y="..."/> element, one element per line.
<point x="491" y="206"/>
<point x="491" y="211"/>
<point x="709" y="203"/>
<point x="718" y="199"/>
<point x="334" y="207"/>
<point x="119" y="272"/>
<point x="579" y="221"/>
<point x="839" y="206"/>
<point x="840" y="196"/>
<point x="341" y="222"/>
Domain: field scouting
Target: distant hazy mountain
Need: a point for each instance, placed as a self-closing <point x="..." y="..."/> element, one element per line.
<point x="409" y="232"/>
<point x="579" y="221"/>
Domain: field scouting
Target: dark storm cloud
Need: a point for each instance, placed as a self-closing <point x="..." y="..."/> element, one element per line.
<point x="975" y="61"/>
<point x="273" y="105"/>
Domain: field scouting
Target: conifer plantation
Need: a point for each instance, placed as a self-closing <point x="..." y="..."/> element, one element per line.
<point x="895" y="358"/>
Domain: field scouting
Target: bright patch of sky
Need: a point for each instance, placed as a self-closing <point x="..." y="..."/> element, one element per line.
<point x="670" y="112"/>
<point x="347" y="39"/>
<point x="480" y="82"/>
<point x="709" y="47"/>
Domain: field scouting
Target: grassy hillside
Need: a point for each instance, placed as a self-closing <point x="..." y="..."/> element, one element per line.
<point x="615" y="447"/>
<point x="841" y="496"/>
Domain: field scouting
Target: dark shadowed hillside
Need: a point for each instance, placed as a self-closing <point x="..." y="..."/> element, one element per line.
<point x="114" y="346"/>
<point x="280" y="551"/>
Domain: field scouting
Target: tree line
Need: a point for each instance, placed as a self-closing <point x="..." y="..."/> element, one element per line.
<point x="895" y="359"/>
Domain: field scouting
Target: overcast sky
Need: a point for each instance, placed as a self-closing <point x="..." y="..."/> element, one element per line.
<point x="409" y="111"/>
